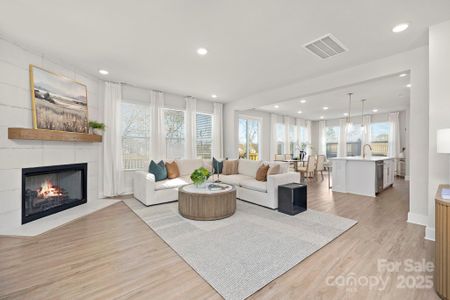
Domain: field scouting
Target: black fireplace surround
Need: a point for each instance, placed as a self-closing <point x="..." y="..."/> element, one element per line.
<point x="51" y="189"/>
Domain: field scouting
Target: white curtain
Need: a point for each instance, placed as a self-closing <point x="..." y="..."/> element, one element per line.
<point x="112" y="140"/>
<point x="287" y="140"/>
<point x="217" y="142"/>
<point x="158" y="134"/>
<point x="394" y="136"/>
<point x="191" y="128"/>
<point x="300" y="123"/>
<point x="273" y="136"/>
<point x="322" y="141"/>
<point x="308" y="137"/>
<point x="342" y="143"/>
<point x="366" y="137"/>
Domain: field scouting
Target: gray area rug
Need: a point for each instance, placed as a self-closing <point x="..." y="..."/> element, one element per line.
<point x="239" y="255"/>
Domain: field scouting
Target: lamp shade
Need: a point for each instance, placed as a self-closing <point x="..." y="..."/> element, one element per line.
<point x="443" y="140"/>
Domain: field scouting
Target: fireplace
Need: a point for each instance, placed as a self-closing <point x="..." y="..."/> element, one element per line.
<point x="48" y="190"/>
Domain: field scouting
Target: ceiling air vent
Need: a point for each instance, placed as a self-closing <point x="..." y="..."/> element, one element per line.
<point x="326" y="46"/>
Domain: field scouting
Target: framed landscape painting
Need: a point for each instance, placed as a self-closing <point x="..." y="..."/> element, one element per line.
<point x="59" y="103"/>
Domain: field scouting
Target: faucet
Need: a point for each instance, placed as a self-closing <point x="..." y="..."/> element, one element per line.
<point x="364" y="150"/>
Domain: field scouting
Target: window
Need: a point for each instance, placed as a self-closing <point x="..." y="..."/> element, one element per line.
<point x="135" y="125"/>
<point x="293" y="140"/>
<point x="204" y="136"/>
<point x="354" y="137"/>
<point x="380" y="138"/>
<point x="249" y="130"/>
<point x="332" y="141"/>
<point x="174" y="129"/>
<point x="280" y="138"/>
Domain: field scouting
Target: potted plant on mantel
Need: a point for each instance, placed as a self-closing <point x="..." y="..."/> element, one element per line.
<point x="199" y="177"/>
<point x="96" y="127"/>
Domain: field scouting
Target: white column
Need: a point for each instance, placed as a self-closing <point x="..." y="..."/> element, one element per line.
<point x="158" y="132"/>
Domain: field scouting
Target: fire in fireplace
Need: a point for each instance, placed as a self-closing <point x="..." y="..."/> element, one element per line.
<point x="48" y="190"/>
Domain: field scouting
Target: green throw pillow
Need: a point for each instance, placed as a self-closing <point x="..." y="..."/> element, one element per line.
<point x="159" y="170"/>
<point x="217" y="166"/>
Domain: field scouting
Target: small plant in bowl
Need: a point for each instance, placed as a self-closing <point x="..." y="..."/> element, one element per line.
<point x="199" y="176"/>
<point x="97" y="127"/>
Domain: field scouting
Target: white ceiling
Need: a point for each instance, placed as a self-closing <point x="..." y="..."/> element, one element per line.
<point x="385" y="94"/>
<point x="253" y="45"/>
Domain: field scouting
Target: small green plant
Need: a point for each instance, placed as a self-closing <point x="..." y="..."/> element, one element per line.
<point x="200" y="175"/>
<point x="96" y="125"/>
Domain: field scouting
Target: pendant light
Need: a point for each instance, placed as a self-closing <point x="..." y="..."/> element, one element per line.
<point x="362" y="114"/>
<point x="349" y="116"/>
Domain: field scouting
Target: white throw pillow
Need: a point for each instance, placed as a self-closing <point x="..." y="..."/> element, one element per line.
<point x="187" y="166"/>
<point x="249" y="167"/>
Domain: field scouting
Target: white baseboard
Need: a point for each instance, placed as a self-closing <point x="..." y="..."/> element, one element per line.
<point x="418" y="219"/>
<point x="430" y="233"/>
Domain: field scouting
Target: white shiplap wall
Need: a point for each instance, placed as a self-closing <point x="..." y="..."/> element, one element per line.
<point x="15" y="111"/>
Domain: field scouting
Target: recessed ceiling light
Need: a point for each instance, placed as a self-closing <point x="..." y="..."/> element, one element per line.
<point x="375" y="110"/>
<point x="103" y="72"/>
<point x="303" y="101"/>
<point x="346" y="114"/>
<point x="299" y="112"/>
<point x="400" y="27"/>
<point x="408" y="85"/>
<point x="202" y="51"/>
<point x="276" y="106"/>
<point x="325" y="107"/>
<point x="214" y="96"/>
<point x="403" y="75"/>
<point x="321" y="117"/>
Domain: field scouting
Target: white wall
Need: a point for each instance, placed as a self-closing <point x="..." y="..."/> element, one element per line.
<point x="15" y="111"/>
<point x="439" y="45"/>
<point x="414" y="61"/>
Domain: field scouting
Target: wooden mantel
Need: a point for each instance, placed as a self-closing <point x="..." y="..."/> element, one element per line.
<point x="51" y="135"/>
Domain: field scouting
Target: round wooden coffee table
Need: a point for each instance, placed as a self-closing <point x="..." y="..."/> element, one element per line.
<point x="203" y="204"/>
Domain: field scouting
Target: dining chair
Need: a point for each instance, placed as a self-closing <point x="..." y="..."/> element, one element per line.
<point x="320" y="166"/>
<point x="310" y="168"/>
<point x="279" y="157"/>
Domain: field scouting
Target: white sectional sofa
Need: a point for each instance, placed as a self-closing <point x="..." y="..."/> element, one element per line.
<point x="150" y="192"/>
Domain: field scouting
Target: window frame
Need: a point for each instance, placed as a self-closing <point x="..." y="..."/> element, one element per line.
<point x="260" y="124"/>
<point x="165" y="131"/>
<point x="212" y="132"/>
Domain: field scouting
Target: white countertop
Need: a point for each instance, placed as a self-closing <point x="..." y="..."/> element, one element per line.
<point x="359" y="158"/>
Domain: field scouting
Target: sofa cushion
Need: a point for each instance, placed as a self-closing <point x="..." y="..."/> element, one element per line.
<point x="187" y="166"/>
<point x="249" y="167"/>
<point x="217" y="165"/>
<point x="172" y="170"/>
<point x="158" y="169"/>
<point x="230" y="167"/>
<point x="261" y="174"/>
<point x="208" y="165"/>
<point x="171" y="183"/>
<point x="284" y="166"/>
<point x="255" y="185"/>
<point x="233" y="179"/>
<point x="274" y="169"/>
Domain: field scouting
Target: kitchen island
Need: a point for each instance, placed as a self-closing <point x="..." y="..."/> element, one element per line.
<point x="362" y="176"/>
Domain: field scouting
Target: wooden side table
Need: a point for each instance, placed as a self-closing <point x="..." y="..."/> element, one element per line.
<point x="442" y="264"/>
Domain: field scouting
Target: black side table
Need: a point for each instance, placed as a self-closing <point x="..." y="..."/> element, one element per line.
<point x="292" y="198"/>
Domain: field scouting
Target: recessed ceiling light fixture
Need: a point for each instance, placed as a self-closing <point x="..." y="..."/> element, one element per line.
<point x="403" y="75"/>
<point x="400" y="27"/>
<point x="214" y="96"/>
<point x="103" y="72"/>
<point x="408" y="85"/>
<point x="276" y="106"/>
<point x="299" y="112"/>
<point x="303" y="101"/>
<point x="346" y="114"/>
<point x="321" y="117"/>
<point x="375" y="110"/>
<point x="325" y="107"/>
<point x="202" y="51"/>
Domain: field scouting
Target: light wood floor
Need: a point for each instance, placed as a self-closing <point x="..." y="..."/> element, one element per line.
<point x="112" y="254"/>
